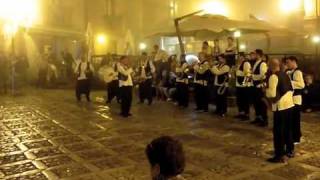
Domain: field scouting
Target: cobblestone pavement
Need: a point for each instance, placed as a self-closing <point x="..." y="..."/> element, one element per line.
<point x="47" y="135"/>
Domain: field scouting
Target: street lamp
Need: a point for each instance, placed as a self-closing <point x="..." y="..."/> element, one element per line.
<point x="214" y="7"/>
<point x="101" y="39"/>
<point x="142" y="46"/>
<point x="243" y="47"/>
<point x="316" y="41"/>
<point x="288" y="6"/>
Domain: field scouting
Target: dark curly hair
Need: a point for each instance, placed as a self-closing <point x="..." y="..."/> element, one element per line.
<point x="168" y="153"/>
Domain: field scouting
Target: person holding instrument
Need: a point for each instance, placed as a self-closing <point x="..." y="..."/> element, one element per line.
<point x="125" y="84"/>
<point x="221" y="72"/>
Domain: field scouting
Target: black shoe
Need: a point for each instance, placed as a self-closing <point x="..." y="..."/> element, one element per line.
<point x="256" y="121"/>
<point x="245" y="118"/>
<point x="263" y="124"/>
<point x="239" y="116"/>
<point x="291" y="155"/>
<point x="276" y="159"/>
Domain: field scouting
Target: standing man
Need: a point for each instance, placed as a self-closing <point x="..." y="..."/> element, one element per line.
<point x="243" y="84"/>
<point x="84" y="71"/>
<point x="280" y="92"/>
<point x="201" y="83"/>
<point x="221" y="72"/>
<point x="146" y="72"/>
<point x="125" y="84"/>
<point x="113" y="85"/>
<point x="182" y="83"/>
<point x="259" y="71"/>
<point x="297" y="81"/>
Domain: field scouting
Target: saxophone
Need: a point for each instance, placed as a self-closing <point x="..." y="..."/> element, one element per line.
<point x="222" y="89"/>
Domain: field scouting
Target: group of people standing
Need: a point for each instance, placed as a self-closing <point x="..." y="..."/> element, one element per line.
<point x="259" y="82"/>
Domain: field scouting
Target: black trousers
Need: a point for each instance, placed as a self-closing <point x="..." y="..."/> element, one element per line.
<point x="296" y="123"/>
<point x="126" y="99"/>
<point x="146" y="91"/>
<point x="83" y="87"/>
<point x="182" y="94"/>
<point x="222" y="102"/>
<point x="259" y="105"/>
<point x="201" y="97"/>
<point x="113" y="90"/>
<point x="243" y="99"/>
<point x="282" y="132"/>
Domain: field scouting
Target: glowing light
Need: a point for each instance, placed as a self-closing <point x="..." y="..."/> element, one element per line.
<point x="309" y="7"/>
<point x="215" y="7"/>
<point x="288" y="6"/>
<point x="101" y="39"/>
<point x="243" y="47"/>
<point x="20" y="12"/>
<point x="142" y="46"/>
<point x="237" y="34"/>
<point x="316" y="39"/>
<point x="10" y="29"/>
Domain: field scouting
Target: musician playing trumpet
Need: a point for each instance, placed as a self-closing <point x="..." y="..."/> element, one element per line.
<point x="202" y="71"/>
<point x="221" y="72"/>
<point x="145" y="73"/>
<point x="243" y="86"/>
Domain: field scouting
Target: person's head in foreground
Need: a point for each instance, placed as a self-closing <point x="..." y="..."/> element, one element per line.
<point x="166" y="157"/>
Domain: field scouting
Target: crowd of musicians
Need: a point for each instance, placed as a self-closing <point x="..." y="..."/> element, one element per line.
<point x="260" y="83"/>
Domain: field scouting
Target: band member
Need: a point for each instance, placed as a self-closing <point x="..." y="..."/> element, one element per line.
<point x="280" y="92"/>
<point x="259" y="71"/>
<point x="125" y="84"/>
<point x="84" y="72"/>
<point x="182" y="83"/>
<point x="216" y="49"/>
<point x="221" y="72"/>
<point x="160" y="57"/>
<point x="297" y="81"/>
<point x="230" y="52"/>
<point x="206" y="49"/>
<point x="113" y="85"/>
<point x="243" y="86"/>
<point x="201" y="83"/>
<point x="146" y="71"/>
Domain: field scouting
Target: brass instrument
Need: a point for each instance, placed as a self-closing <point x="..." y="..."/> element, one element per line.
<point x="222" y="89"/>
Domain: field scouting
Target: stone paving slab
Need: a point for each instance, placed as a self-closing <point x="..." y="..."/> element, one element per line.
<point x="43" y="137"/>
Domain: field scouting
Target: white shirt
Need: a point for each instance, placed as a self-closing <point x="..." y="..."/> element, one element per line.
<point x="83" y="69"/>
<point x="297" y="83"/>
<point x="219" y="70"/>
<point x="263" y="70"/>
<point x="161" y="55"/>
<point x="127" y="72"/>
<point x="285" y="102"/>
<point x="246" y="73"/>
<point x="143" y="70"/>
